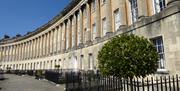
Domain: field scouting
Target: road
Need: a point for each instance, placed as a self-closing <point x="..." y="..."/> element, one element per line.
<point x="27" y="83"/>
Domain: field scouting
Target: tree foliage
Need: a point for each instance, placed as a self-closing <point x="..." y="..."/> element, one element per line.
<point x="128" y="56"/>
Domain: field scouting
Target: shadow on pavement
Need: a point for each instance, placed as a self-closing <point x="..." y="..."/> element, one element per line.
<point x="4" y="79"/>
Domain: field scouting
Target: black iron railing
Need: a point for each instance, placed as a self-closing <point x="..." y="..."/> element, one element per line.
<point x="80" y="81"/>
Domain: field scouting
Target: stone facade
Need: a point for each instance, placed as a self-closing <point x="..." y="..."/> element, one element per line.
<point x="74" y="37"/>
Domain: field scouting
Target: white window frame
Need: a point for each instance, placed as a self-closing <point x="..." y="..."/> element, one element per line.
<point x="158" y="43"/>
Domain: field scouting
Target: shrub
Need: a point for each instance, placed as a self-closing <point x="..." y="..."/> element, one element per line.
<point x="128" y="56"/>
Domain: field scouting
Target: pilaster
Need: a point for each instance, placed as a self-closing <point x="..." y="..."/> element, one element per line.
<point x="98" y="20"/>
<point x="88" y="34"/>
<point x="142" y="8"/>
<point x="109" y="16"/>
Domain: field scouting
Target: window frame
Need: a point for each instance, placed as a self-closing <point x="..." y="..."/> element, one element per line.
<point x="157" y="45"/>
<point x="117" y="22"/>
<point x="159" y="5"/>
<point x="94" y="31"/>
<point x="104" y="26"/>
<point x="134" y="10"/>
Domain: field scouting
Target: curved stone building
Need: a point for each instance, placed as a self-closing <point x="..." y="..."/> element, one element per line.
<point x="73" y="38"/>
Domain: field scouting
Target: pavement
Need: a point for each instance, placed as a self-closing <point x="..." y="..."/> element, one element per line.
<point x="27" y="83"/>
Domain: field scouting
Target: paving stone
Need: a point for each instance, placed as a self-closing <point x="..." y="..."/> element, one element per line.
<point x="27" y="83"/>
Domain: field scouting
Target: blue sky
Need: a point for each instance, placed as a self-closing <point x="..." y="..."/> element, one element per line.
<point x="21" y="16"/>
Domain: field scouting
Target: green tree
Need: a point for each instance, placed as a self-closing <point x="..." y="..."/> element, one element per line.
<point x="128" y="56"/>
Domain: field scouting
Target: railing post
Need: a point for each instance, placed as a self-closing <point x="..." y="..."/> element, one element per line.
<point x="174" y="84"/>
<point x="134" y="84"/>
<point x="161" y="84"/>
<point x="147" y="84"/>
<point x="165" y="83"/>
<point x="157" y="84"/>
<point x="143" y="84"/>
<point x="152" y="82"/>
<point x="137" y="84"/>
<point x="169" y="83"/>
<point x="177" y="82"/>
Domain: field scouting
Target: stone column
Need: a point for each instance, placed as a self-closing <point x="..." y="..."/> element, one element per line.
<point x="19" y="52"/>
<point x="74" y="31"/>
<point x="5" y="53"/>
<point x="16" y="56"/>
<point x="52" y="41"/>
<point x="41" y="46"/>
<point x="109" y="16"/>
<point x="12" y="58"/>
<point x="22" y="51"/>
<point x="8" y="52"/>
<point x="44" y="49"/>
<point x="69" y="33"/>
<point x="32" y="48"/>
<point x="55" y="39"/>
<point x="142" y="8"/>
<point x="29" y="48"/>
<point x="59" y="38"/>
<point x="88" y="33"/>
<point x="27" y="51"/>
<point x="63" y="38"/>
<point x="31" y="55"/>
<point x="5" y="50"/>
<point x="48" y="43"/>
<point x="0" y="54"/>
<point x="38" y="46"/>
<point x="98" y="20"/>
<point x="33" y="43"/>
<point x="35" y="48"/>
<point x="80" y="30"/>
<point x="8" y="55"/>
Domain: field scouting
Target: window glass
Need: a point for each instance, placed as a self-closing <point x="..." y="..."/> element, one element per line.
<point x="158" y="43"/>
<point x="94" y="31"/>
<point x="104" y="26"/>
<point x="159" y="5"/>
<point x="134" y="10"/>
<point x="117" y="19"/>
<point x="93" y="4"/>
